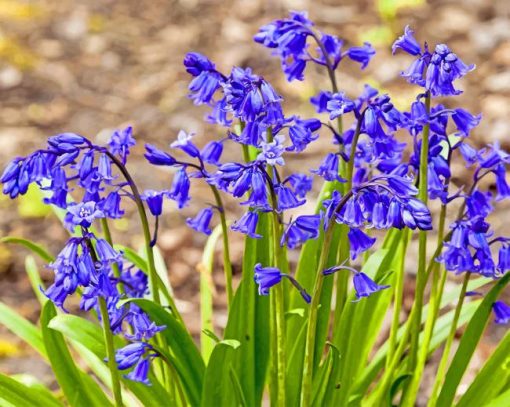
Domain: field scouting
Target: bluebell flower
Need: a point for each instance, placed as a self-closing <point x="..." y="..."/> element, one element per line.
<point x="206" y="78"/>
<point x="136" y="283"/>
<point x="407" y="42"/>
<point x="211" y="152"/>
<point x="137" y="354"/>
<point x="59" y="188"/>
<point x="185" y="144"/>
<point x="16" y="178"/>
<point x="415" y="214"/>
<point x="360" y="242"/>
<point x="272" y="152"/>
<point x="104" y="167"/>
<point x="141" y="372"/>
<point x="380" y="215"/>
<point x="444" y="68"/>
<point x="129" y="355"/>
<point x="479" y="204"/>
<point x="64" y="139"/>
<point x="501" y="184"/>
<point x="289" y="39"/>
<point x="252" y="133"/>
<point x="247" y="225"/>
<point x="504" y="259"/>
<point x="502" y="312"/>
<point x="465" y="121"/>
<point x="243" y="179"/>
<point x="286" y="198"/>
<point x="202" y="221"/>
<point x="365" y="286"/>
<point x="320" y="101"/>
<point x="121" y="141"/>
<point x="302" y="133"/>
<point x="435" y="71"/>
<point x="329" y="168"/>
<point x="266" y="277"/>
<point x="179" y="190"/>
<point x="250" y="96"/>
<point x="339" y="105"/>
<point x="84" y="213"/>
<point x="301" y="184"/>
<point x="362" y="54"/>
<point x="220" y="113"/>
<point x="304" y="228"/>
<point x="106" y="253"/>
<point x="493" y="155"/>
<point x="158" y="157"/>
<point x="259" y="194"/>
<point x="104" y="288"/>
<point x="143" y="327"/>
<point x="333" y="47"/>
<point x="154" y="200"/>
<point x="110" y="206"/>
<point x="484" y="264"/>
<point x="469" y="154"/>
<point x="57" y="294"/>
<point x="351" y="213"/>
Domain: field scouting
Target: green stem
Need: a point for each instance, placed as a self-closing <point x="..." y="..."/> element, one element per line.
<point x="306" y="386"/>
<point x="449" y="341"/>
<point x="153" y="274"/>
<point x="227" y="265"/>
<point x="434" y="304"/>
<point x="399" y="296"/>
<point x="110" y="353"/>
<point x="115" y="267"/>
<point x="279" y="304"/>
<point x="421" y="277"/>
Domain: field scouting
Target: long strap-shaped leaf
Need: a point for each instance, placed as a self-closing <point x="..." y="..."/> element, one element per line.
<point x="468" y="343"/>
<point x="34" y="247"/>
<point x="247" y="324"/>
<point x="484" y="388"/>
<point x="22" y="328"/>
<point x="80" y="389"/>
<point x="90" y="336"/>
<point x="17" y="394"/>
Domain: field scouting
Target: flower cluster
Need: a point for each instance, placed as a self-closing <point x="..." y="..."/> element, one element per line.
<point x="289" y="39"/>
<point x="435" y="71"/>
<point x="88" y="262"/>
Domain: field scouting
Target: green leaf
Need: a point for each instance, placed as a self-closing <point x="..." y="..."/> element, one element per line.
<point x="361" y="321"/>
<point x="441" y="330"/>
<point x="22" y="328"/>
<point x="240" y="399"/>
<point x="247" y="324"/>
<point x="90" y="336"/>
<point x="484" y="388"/>
<point x="503" y="400"/>
<point x="34" y="247"/>
<point x="234" y="344"/>
<point x="21" y="395"/>
<point x="326" y="371"/>
<point x="468" y="343"/>
<point x="185" y="355"/>
<point x="396" y="385"/>
<point x="31" y="204"/>
<point x="35" y="279"/>
<point x="206" y="293"/>
<point x="79" y="388"/>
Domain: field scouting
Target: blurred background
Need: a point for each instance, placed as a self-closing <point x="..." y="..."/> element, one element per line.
<point x="91" y="66"/>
